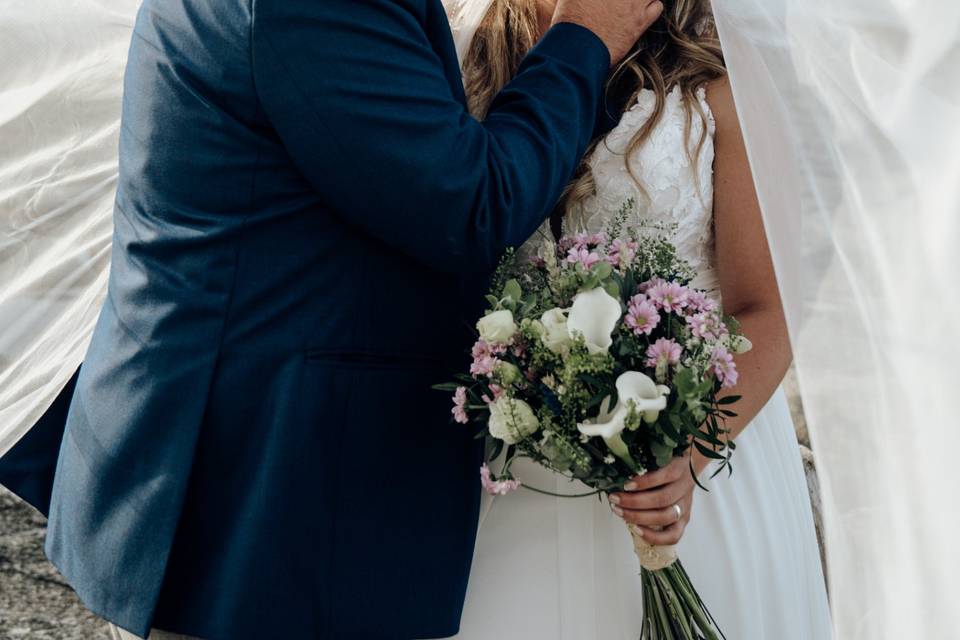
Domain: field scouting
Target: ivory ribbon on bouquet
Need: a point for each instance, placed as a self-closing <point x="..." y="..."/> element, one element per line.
<point x="61" y="71"/>
<point x="851" y="113"/>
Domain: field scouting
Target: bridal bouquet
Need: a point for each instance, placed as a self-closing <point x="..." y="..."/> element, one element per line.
<point x="599" y="361"/>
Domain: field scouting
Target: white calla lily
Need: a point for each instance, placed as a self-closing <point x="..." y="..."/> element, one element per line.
<point x="594" y="315"/>
<point x="636" y="390"/>
<point x="648" y="397"/>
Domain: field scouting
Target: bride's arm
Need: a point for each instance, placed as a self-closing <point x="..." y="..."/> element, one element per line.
<point x="749" y="289"/>
<point x="745" y="268"/>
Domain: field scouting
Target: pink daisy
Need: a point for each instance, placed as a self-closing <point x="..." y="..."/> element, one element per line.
<point x="707" y="326"/>
<point x="584" y="256"/>
<point x="697" y="301"/>
<point x="723" y="366"/>
<point x="669" y="296"/>
<point x="622" y="253"/>
<point x="663" y="352"/>
<point x="642" y="316"/>
<point x="649" y="284"/>
<point x="599" y="238"/>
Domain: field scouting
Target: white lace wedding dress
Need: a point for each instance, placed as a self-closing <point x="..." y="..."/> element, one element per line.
<point x="563" y="569"/>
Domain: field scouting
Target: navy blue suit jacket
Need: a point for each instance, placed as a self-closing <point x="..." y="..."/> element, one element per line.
<point x="305" y="217"/>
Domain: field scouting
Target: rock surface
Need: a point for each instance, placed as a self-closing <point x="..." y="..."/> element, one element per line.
<point x="35" y="602"/>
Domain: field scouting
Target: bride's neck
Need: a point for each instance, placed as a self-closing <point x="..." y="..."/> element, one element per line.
<point x="545" y="11"/>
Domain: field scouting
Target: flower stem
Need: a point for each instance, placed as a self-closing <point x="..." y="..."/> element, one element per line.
<point x="677" y="608"/>
<point x="560" y="495"/>
<point x="705" y="622"/>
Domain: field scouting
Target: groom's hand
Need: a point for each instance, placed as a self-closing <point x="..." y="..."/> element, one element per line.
<point x="619" y="23"/>
<point x="659" y="502"/>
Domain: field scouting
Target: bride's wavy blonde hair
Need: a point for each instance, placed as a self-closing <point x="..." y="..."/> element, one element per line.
<point x="681" y="50"/>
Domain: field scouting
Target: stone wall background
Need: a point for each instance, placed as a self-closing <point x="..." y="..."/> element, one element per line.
<point x="36" y="604"/>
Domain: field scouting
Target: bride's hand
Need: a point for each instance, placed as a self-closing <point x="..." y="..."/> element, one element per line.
<point x="651" y="500"/>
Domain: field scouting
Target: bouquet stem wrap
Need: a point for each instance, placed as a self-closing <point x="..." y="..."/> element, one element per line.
<point x="652" y="557"/>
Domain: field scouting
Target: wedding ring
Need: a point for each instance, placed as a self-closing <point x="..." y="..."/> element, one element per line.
<point x="679" y="510"/>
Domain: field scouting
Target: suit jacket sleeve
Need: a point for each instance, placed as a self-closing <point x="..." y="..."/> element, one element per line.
<point x="359" y="97"/>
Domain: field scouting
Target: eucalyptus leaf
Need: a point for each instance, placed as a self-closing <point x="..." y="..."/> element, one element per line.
<point x="612" y="288"/>
<point x="513" y="291"/>
<point x="602" y="270"/>
<point x="708" y="452"/>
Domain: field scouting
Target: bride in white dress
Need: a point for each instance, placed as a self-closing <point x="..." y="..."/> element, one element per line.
<point x="554" y="568"/>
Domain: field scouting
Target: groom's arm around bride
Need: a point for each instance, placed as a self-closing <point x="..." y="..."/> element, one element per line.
<point x="252" y="450"/>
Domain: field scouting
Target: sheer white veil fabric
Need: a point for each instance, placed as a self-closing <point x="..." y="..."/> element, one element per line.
<point x="851" y="113"/>
<point x="61" y="68"/>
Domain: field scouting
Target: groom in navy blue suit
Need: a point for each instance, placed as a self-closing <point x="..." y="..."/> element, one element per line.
<point x="305" y="216"/>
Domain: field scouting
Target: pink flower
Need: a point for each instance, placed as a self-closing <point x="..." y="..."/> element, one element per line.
<point x="669" y="296"/>
<point x="642" y="316"/>
<point x="481" y="349"/>
<point x="588" y="241"/>
<point x="663" y="352"/>
<point x="649" y="284"/>
<point x="698" y="301"/>
<point x="484" y="358"/>
<point x="565" y="243"/>
<point x="483" y="366"/>
<point x="599" y="238"/>
<point x="460" y="406"/>
<point x="707" y="326"/>
<point x="538" y="261"/>
<point x="723" y="366"/>
<point x="496" y="487"/>
<point x="622" y="253"/>
<point x="497" y="392"/>
<point x="584" y="256"/>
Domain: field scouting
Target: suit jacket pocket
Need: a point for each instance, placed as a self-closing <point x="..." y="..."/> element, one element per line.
<point x="374" y="360"/>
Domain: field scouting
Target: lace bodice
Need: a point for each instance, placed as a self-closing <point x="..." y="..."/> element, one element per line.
<point x="673" y="191"/>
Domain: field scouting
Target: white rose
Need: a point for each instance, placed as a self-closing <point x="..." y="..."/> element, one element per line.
<point x="556" y="336"/>
<point x="497" y="328"/>
<point x="512" y="420"/>
<point x="594" y="315"/>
